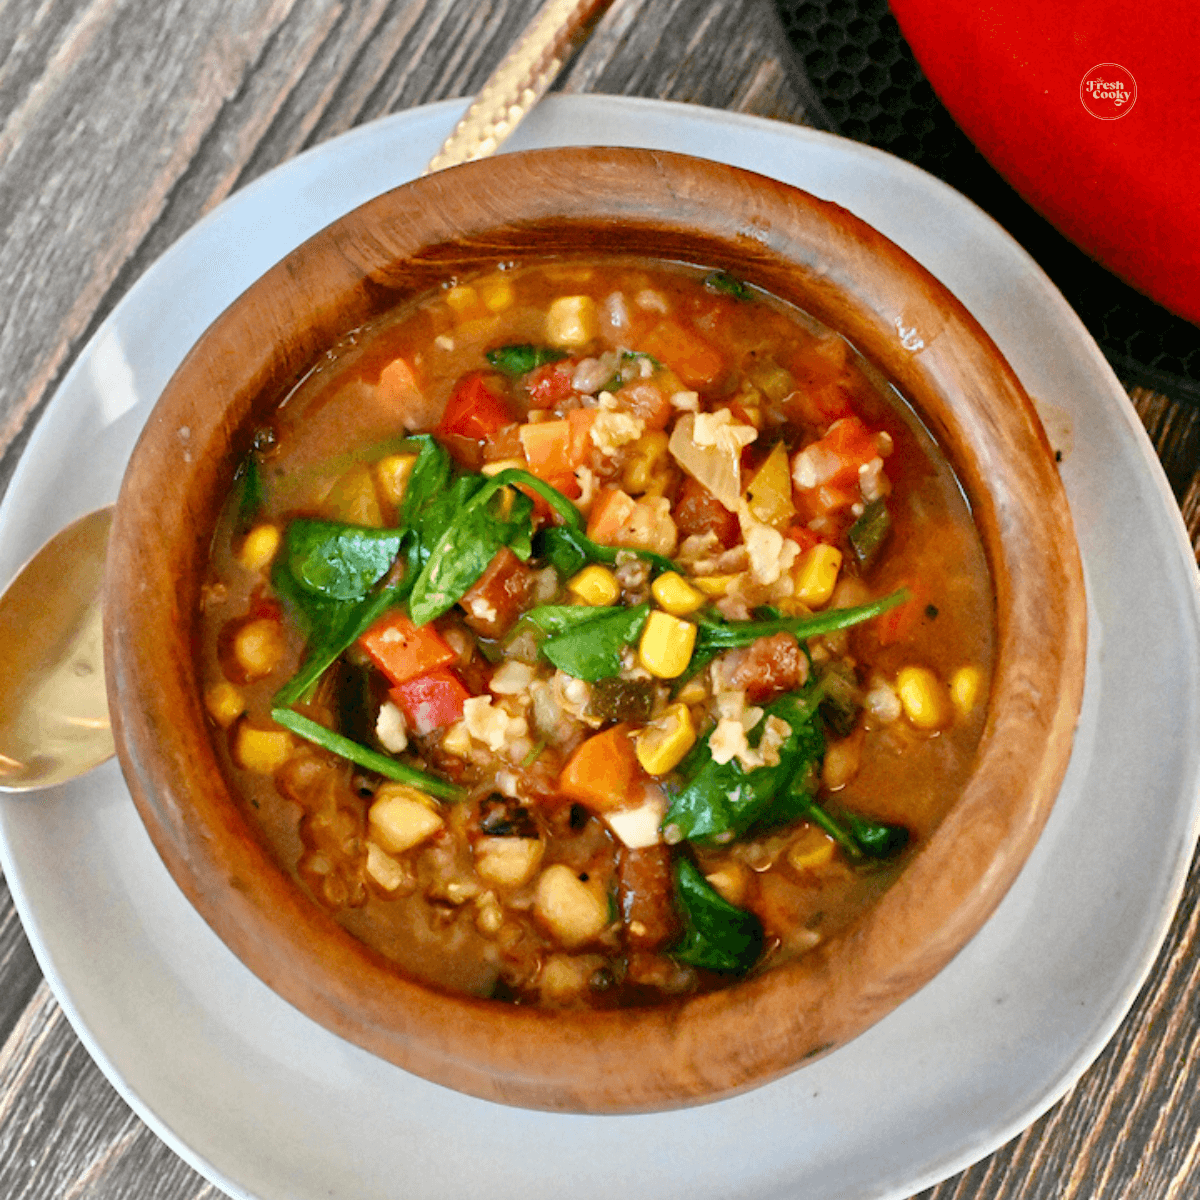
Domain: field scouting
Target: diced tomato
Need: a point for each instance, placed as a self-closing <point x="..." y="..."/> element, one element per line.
<point x="899" y="624"/>
<point x="804" y="537"/>
<point x="831" y="466"/>
<point x="402" y="651"/>
<point x="431" y="701"/>
<point x="854" y="444"/>
<point x="504" y="444"/>
<point x="498" y="596"/>
<point x="474" y="410"/>
<point x="683" y="350"/>
<point x="698" y="511"/>
<point x="551" y="384"/>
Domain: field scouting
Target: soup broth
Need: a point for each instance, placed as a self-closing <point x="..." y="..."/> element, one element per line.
<point x="591" y="633"/>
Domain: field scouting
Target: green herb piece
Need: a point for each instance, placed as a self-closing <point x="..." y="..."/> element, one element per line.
<point x="617" y="699"/>
<point x="521" y="359"/>
<point x="868" y="534"/>
<point x="338" y="561"/>
<point x="248" y="477"/>
<point x="561" y="504"/>
<point x="363" y="756"/>
<point x="723" y="801"/>
<point x="843" y="697"/>
<point x="722" y="281"/>
<point x="717" y="936"/>
<point x="592" y="649"/>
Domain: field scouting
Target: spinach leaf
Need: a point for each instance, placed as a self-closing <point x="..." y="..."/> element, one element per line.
<point x="521" y="359"/>
<point x="559" y="618"/>
<point x="592" y="649"/>
<point x="724" y="801"/>
<point x="861" y="838"/>
<point x="333" y="628"/>
<point x="561" y="504"/>
<point x="363" y="756"/>
<point x="570" y="550"/>
<point x="471" y="537"/>
<point x="714" y="635"/>
<point x="717" y="936"/>
<point x="428" y="479"/>
<point x="338" y="561"/>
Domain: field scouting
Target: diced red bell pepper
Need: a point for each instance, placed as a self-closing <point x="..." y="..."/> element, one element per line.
<point x="402" y="651"/>
<point x="474" y="410"/>
<point x="498" y="596"/>
<point x="431" y="701"/>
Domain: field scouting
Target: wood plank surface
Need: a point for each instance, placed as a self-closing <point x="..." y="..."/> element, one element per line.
<point x="121" y="123"/>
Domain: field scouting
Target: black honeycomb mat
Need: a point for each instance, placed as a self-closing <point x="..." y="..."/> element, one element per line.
<point x="871" y="89"/>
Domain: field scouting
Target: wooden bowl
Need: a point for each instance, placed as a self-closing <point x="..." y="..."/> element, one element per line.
<point x="665" y="206"/>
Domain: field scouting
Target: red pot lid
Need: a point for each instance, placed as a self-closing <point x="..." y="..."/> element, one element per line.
<point x="1091" y="110"/>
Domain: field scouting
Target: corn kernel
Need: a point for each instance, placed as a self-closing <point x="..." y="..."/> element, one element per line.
<point x="647" y="457"/>
<point x="965" y="686"/>
<point x="571" y="321"/>
<point x="353" y="499"/>
<point x="225" y="703"/>
<point x="574" y="911"/>
<point x="714" y="585"/>
<point x="462" y="299"/>
<point x="595" y="585"/>
<point x="923" y="697"/>
<point x="258" y="647"/>
<point x="812" y="848"/>
<point x="816" y="574"/>
<point x="456" y="740"/>
<point x="259" y="547"/>
<point x="391" y="476"/>
<point x="662" y="745"/>
<point x="675" y="595"/>
<point x="497" y="295"/>
<point x="401" y="817"/>
<point x="666" y="646"/>
<point x="504" y="464"/>
<point x="695" y="691"/>
<point x="731" y="882"/>
<point x="262" y="751"/>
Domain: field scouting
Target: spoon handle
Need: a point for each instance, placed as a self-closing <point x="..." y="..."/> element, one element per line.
<point x="520" y="80"/>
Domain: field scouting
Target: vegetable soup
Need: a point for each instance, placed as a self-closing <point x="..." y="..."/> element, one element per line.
<point x="591" y="633"/>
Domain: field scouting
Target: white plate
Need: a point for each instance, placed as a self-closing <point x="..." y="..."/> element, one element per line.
<point x="268" y="1105"/>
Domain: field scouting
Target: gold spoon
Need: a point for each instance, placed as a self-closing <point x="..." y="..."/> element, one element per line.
<point x="53" y="708"/>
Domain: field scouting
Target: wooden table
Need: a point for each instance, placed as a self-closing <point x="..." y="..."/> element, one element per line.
<point x="123" y="121"/>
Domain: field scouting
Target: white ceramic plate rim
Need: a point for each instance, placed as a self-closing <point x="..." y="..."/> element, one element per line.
<point x="265" y="1104"/>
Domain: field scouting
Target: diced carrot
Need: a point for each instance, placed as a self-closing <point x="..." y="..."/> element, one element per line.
<point x="397" y="381"/>
<point x="610" y="512"/>
<point x="898" y="624"/>
<point x="683" y="350"/>
<point x="499" y="595"/>
<point x="402" y="651"/>
<point x="581" y="421"/>
<point x="474" y="410"/>
<point x="602" y="770"/>
<point x="548" y="448"/>
<point x="431" y="701"/>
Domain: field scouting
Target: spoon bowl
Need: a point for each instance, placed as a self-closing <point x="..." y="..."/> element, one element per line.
<point x="53" y="709"/>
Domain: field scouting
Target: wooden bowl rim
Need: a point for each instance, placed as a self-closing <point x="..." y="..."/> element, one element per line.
<point x="774" y="235"/>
